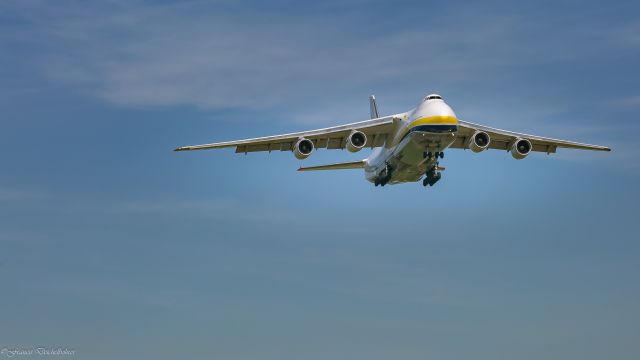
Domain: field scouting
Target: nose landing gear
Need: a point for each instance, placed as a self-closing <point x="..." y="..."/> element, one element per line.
<point x="437" y="154"/>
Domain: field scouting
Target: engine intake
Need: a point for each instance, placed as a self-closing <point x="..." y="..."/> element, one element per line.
<point x="303" y="148"/>
<point x="479" y="141"/>
<point x="356" y="141"/>
<point x="521" y="148"/>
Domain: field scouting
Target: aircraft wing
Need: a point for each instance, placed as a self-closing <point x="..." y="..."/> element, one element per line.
<point x="334" y="137"/>
<point x="503" y="139"/>
<point x="337" y="166"/>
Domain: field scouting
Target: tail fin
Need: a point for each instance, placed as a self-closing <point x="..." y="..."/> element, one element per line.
<point x="338" y="166"/>
<point x="373" y="107"/>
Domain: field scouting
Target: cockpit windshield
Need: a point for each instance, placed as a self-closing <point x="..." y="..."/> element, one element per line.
<point x="433" y="97"/>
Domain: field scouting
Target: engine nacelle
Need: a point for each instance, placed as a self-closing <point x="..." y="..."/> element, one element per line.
<point x="521" y="148"/>
<point x="356" y="141"/>
<point x="303" y="148"/>
<point x="479" y="141"/>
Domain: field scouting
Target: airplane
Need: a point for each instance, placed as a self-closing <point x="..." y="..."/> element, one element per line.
<point x="406" y="146"/>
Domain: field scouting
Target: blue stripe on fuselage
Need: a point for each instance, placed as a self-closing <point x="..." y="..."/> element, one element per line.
<point x="432" y="129"/>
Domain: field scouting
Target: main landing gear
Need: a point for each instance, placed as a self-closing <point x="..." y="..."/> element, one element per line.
<point x="384" y="176"/>
<point x="432" y="176"/>
<point x="433" y="173"/>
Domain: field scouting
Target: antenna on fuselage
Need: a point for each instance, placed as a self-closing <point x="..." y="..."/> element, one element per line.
<point x="373" y="107"/>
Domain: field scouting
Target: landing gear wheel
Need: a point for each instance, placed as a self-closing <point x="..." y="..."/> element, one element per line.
<point x="441" y="155"/>
<point x="432" y="175"/>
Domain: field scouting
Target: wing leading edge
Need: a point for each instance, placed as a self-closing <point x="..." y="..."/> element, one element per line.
<point x="503" y="139"/>
<point x="334" y="137"/>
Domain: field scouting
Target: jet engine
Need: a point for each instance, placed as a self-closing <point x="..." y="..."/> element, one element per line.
<point x="479" y="141"/>
<point x="303" y="148"/>
<point x="521" y="148"/>
<point x="356" y="141"/>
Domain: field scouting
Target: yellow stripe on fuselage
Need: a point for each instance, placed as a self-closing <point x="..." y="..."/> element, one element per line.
<point x="435" y="120"/>
<point x="431" y="120"/>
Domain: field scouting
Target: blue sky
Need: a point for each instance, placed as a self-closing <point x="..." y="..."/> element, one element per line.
<point x="114" y="245"/>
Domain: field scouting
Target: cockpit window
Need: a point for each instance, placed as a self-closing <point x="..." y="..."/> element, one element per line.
<point x="432" y="97"/>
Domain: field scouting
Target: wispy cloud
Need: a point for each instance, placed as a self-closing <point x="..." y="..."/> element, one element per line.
<point x="219" y="208"/>
<point x="225" y="55"/>
<point x="624" y="157"/>
<point x="15" y="194"/>
<point x="626" y="35"/>
<point x="625" y="103"/>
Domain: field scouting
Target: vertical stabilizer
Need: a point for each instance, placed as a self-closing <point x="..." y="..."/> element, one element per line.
<point x="373" y="107"/>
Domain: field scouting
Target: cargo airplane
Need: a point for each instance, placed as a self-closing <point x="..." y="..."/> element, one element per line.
<point x="406" y="146"/>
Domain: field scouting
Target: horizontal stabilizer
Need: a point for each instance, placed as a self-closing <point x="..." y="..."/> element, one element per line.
<point x="338" y="166"/>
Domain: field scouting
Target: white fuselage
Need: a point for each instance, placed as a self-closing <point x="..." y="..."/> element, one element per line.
<point x="430" y="127"/>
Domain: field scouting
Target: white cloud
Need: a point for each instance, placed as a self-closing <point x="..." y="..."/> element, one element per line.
<point x="216" y="208"/>
<point x="225" y="55"/>
<point x="132" y="53"/>
<point x="625" y="103"/>
<point x="14" y="194"/>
